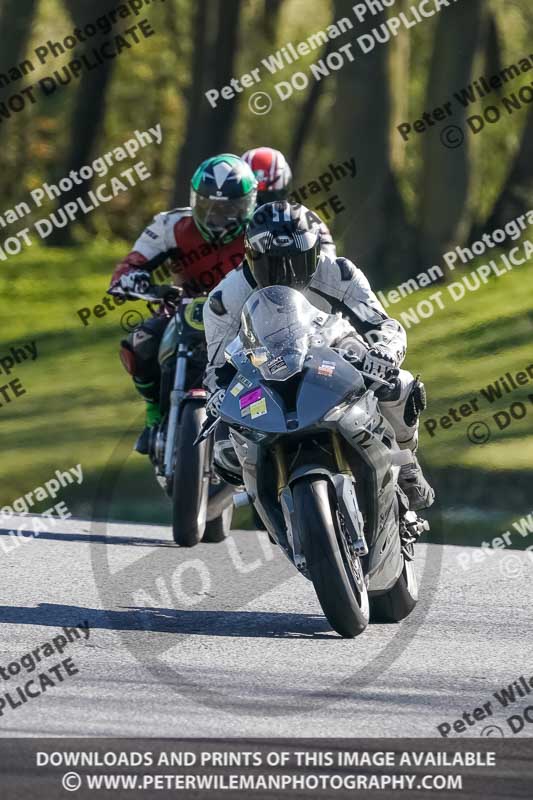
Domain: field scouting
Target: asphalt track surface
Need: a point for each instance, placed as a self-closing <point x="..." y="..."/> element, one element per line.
<point x="228" y="640"/>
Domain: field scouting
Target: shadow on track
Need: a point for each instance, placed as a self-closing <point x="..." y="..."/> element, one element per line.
<point x="251" y="624"/>
<point x="93" y="538"/>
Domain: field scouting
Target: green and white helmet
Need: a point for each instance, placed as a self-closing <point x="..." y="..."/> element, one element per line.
<point x="223" y="197"/>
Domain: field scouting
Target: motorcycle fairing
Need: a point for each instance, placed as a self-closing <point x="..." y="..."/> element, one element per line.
<point x="369" y="433"/>
<point x="327" y="379"/>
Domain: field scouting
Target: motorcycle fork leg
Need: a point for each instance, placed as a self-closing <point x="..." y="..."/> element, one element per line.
<point x="340" y="459"/>
<point x="176" y="397"/>
<point x="281" y="468"/>
<point x="347" y="503"/>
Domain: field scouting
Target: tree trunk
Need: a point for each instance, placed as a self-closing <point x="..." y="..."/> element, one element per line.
<point x="493" y="48"/>
<point x="209" y="129"/>
<point x="446" y="169"/>
<point x="516" y="197"/>
<point x="89" y="111"/>
<point x="304" y="125"/>
<point x="16" y="18"/>
<point x="271" y="14"/>
<point x="193" y="147"/>
<point x="399" y="63"/>
<point x="219" y="121"/>
<point x="376" y="233"/>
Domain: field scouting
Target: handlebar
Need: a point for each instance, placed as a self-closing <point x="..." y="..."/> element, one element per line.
<point x="155" y="294"/>
<point x="378" y="381"/>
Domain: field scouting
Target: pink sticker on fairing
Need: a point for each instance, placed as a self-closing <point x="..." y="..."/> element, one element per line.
<point x="252" y="397"/>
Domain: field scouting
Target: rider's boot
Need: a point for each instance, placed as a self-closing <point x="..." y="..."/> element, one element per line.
<point x="401" y="407"/>
<point x="413" y="483"/>
<point x="152" y="419"/>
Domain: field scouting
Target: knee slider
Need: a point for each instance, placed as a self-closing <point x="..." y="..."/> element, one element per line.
<point x="416" y="403"/>
<point x="127" y="357"/>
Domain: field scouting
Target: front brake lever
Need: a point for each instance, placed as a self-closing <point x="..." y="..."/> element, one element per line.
<point x="377" y="383"/>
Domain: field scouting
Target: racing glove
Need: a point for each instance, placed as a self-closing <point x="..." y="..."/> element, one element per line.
<point x="136" y="281"/>
<point x="379" y="364"/>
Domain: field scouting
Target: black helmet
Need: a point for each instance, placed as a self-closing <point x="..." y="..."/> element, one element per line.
<point x="282" y="245"/>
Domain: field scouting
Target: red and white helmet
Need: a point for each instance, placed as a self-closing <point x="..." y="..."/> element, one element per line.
<point x="272" y="172"/>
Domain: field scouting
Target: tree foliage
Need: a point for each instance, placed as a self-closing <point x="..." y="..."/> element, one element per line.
<point x="409" y="201"/>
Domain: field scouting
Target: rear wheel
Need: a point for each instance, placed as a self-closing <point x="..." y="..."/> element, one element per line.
<point x="190" y="484"/>
<point x="336" y="573"/>
<point x="399" y="601"/>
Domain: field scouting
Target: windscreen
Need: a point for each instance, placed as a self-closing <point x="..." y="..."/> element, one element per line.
<point x="276" y="326"/>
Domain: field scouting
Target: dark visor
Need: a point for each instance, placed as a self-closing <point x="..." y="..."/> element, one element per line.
<point x="215" y="213"/>
<point x="271" y="195"/>
<point x="295" y="270"/>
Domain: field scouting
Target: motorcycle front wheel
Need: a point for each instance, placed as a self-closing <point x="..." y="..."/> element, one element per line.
<point x="190" y="483"/>
<point x="336" y="574"/>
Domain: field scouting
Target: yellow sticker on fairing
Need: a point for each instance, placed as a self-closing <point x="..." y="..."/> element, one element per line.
<point x="237" y="389"/>
<point x="258" y="409"/>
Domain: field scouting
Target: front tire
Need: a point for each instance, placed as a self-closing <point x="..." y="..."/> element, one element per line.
<point x="337" y="575"/>
<point x="190" y="484"/>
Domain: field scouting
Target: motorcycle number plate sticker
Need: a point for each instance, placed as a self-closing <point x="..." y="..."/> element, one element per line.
<point x="249" y="398"/>
<point x="237" y="389"/>
<point x="258" y="409"/>
<point x="326" y="368"/>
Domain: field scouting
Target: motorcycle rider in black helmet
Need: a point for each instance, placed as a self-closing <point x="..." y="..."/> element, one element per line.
<point x="282" y="246"/>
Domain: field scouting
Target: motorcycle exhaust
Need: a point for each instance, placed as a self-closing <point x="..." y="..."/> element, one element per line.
<point x="219" y="502"/>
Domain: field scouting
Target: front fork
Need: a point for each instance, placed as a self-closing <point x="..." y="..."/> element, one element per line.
<point x="343" y="483"/>
<point x="176" y="397"/>
<point x="281" y="466"/>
